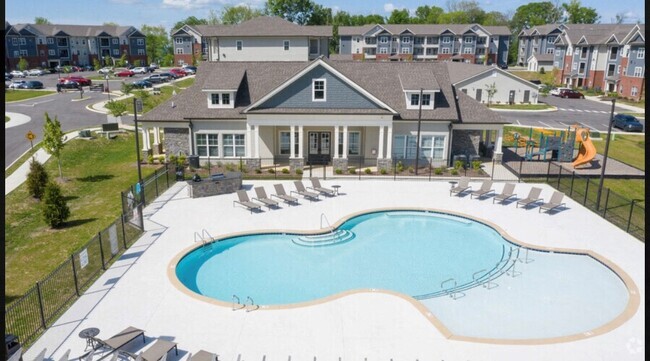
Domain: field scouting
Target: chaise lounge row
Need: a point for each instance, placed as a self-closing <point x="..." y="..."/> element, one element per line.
<point x="508" y="192"/>
<point x="265" y="201"/>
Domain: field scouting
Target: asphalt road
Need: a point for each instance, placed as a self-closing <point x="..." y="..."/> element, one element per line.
<point x="585" y="112"/>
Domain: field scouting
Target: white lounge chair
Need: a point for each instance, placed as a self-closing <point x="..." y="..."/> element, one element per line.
<point x="315" y="185"/>
<point x="556" y="201"/>
<point x="300" y="189"/>
<point x="245" y="201"/>
<point x="486" y="188"/>
<point x="463" y="185"/>
<point x="533" y="197"/>
<point x="506" y="193"/>
<point x="281" y="194"/>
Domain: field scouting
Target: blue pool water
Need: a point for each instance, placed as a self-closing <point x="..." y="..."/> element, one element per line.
<point x="425" y="255"/>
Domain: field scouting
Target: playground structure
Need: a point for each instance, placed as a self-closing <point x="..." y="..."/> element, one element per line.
<point x="561" y="146"/>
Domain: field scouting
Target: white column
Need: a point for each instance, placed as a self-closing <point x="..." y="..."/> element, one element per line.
<point x="257" y="141"/>
<point x="345" y="141"/>
<point x="300" y="143"/>
<point x="156" y="135"/>
<point x="292" y="143"/>
<point x="248" y="141"/>
<point x="497" y="146"/>
<point x="145" y="138"/>
<point x="336" y="141"/>
<point x="380" y="152"/>
<point x="389" y="142"/>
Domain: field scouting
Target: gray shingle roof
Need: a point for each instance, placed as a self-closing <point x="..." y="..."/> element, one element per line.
<point x="265" y="26"/>
<point x="78" y="30"/>
<point x="544" y="57"/>
<point x="460" y="71"/>
<point x="260" y="78"/>
<point x="423" y="29"/>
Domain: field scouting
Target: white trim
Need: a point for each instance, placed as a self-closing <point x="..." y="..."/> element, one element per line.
<point x="313" y="90"/>
<point x="320" y="62"/>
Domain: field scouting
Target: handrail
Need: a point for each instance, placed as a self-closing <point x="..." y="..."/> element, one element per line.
<point x="445" y="281"/>
<point x="252" y="304"/>
<point x="322" y="215"/>
<point x="526" y="259"/>
<point x="238" y="302"/>
<point x="477" y="272"/>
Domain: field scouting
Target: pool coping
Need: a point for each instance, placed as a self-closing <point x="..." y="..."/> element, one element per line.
<point x="633" y="304"/>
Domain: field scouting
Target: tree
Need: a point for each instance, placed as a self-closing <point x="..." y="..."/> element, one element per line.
<point x="533" y="14"/>
<point x="23" y="64"/>
<point x="495" y="18"/>
<point x="117" y="109"/>
<point x="36" y="179"/>
<point x="53" y="139"/>
<point x="213" y="18"/>
<point x="491" y="90"/>
<point x="620" y="18"/>
<point x="192" y="20"/>
<point x="41" y="21"/>
<point x="158" y="43"/>
<point x="238" y="14"/>
<point x="297" y="11"/>
<point x="470" y="10"/>
<point x="55" y="209"/>
<point x="320" y="16"/>
<point x="111" y="23"/>
<point x="428" y="14"/>
<point x="575" y="13"/>
<point x="97" y="64"/>
<point x="399" y="17"/>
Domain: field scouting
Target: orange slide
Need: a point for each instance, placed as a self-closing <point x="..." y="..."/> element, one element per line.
<point x="587" y="151"/>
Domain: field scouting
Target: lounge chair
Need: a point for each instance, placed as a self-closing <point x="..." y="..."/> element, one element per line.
<point x="486" y="188"/>
<point x="506" y="193"/>
<point x="556" y="201"/>
<point x="463" y="185"/>
<point x="533" y="197"/>
<point x="17" y="355"/>
<point x="281" y="194"/>
<point x="300" y="189"/>
<point x="119" y="340"/>
<point x="244" y="201"/>
<point x="203" y="356"/>
<point x="65" y="356"/>
<point x="158" y="351"/>
<point x="263" y="198"/>
<point x="318" y="188"/>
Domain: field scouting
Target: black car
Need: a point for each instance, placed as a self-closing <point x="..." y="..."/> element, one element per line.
<point x="69" y="84"/>
<point x="170" y="76"/>
<point x="628" y="123"/>
<point x="503" y="66"/>
<point x="140" y="84"/>
<point x="31" y="84"/>
<point x="8" y="76"/>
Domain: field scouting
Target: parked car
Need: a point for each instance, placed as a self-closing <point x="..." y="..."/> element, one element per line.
<point x="75" y="68"/>
<point x="571" y="94"/>
<point x="36" y="72"/>
<point x="31" y="84"/>
<point x="125" y="73"/>
<point x="130" y="66"/>
<point x="189" y="69"/>
<point x="556" y="91"/>
<point x="178" y="72"/>
<point x="69" y="84"/>
<point x="170" y="76"/>
<point x="79" y="79"/>
<point x="88" y="68"/>
<point x="154" y="66"/>
<point x="16" y="84"/>
<point x="503" y="66"/>
<point x="8" y="76"/>
<point x="627" y="123"/>
<point x="140" y="70"/>
<point x="157" y="78"/>
<point x="105" y="70"/>
<point x="141" y="84"/>
<point x="17" y="74"/>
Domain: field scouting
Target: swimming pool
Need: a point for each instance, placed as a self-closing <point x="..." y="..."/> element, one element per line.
<point x="463" y="271"/>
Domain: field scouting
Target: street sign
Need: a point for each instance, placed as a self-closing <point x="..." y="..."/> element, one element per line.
<point x="138" y="105"/>
<point x="30" y="136"/>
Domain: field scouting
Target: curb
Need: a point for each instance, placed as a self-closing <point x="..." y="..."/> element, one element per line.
<point x="552" y="109"/>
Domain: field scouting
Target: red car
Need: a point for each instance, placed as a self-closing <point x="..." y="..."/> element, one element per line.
<point x="126" y="72"/>
<point x="78" y="79"/>
<point x="178" y="72"/>
<point x="568" y="93"/>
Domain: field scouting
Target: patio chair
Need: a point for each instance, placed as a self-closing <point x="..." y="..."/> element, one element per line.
<point x="463" y="185"/>
<point x="533" y="197"/>
<point x="17" y="355"/>
<point x="486" y="188"/>
<point x="318" y="188"/>
<point x="119" y="340"/>
<point x="556" y="201"/>
<point x="300" y="189"/>
<point x="506" y="193"/>
<point x="263" y="198"/>
<point x="159" y="350"/>
<point x="281" y="194"/>
<point x="203" y="356"/>
<point x="65" y="356"/>
<point x="244" y="201"/>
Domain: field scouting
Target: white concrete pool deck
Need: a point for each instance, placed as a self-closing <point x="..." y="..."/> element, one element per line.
<point x="136" y="290"/>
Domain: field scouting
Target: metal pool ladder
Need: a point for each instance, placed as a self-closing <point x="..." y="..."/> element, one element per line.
<point x="248" y="298"/>
<point x="322" y="215"/>
<point x="450" y="291"/>
<point x="204" y="237"/>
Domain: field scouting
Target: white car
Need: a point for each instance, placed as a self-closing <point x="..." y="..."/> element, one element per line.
<point x="105" y="70"/>
<point x="16" y="84"/>
<point x="556" y="91"/>
<point x="140" y="70"/>
<point x="17" y="74"/>
<point x="36" y="72"/>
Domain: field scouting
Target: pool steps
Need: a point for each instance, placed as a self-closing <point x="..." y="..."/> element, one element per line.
<point x="326" y="239"/>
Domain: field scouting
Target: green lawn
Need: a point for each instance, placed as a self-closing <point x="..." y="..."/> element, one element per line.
<point x="7" y="119"/>
<point x="521" y="106"/>
<point x="21" y="160"/>
<point x="546" y="78"/>
<point x="185" y="82"/>
<point x="629" y="149"/>
<point x="150" y="101"/>
<point x="95" y="171"/>
<point x="12" y="95"/>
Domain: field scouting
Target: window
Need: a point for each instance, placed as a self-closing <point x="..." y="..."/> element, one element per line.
<point x="103" y="42"/>
<point x="418" y="51"/>
<point x="418" y="40"/>
<point x="225" y="99"/>
<point x="638" y="72"/>
<point x="51" y="52"/>
<point x="63" y="53"/>
<point x="432" y="51"/>
<point x="426" y="100"/>
<point x="17" y="53"/>
<point x="139" y="41"/>
<point x="23" y="41"/>
<point x="575" y="66"/>
<point x="179" y="51"/>
<point x="61" y="42"/>
<point x="207" y="145"/>
<point x="178" y="40"/>
<point x="480" y="51"/>
<point x="468" y="39"/>
<point x="314" y="47"/>
<point x="140" y="52"/>
<point x="549" y="51"/>
<point x="370" y="51"/>
<point x="357" y="39"/>
<point x="406" y="39"/>
<point x="582" y="68"/>
<point x="618" y="69"/>
<point x="318" y="90"/>
<point x="40" y="41"/>
<point x="383" y="50"/>
<point x="285" y="143"/>
<point x="23" y="53"/>
<point x="640" y="54"/>
<point x="354" y="143"/>
<point x="467" y="50"/>
<point x="286" y="45"/>
<point x="635" y="91"/>
<point x="116" y="51"/>
<point x="214" y="99"/>
<point x="404" y="146"/>
<point x="481" y="40"/>
<point x="444" y="51"/>
<point x="50" y="40"/>
<point x="613" y="54"/>
<point x="406" y="50"/>
<point x="14" y="41"/>
<point x="239" y="44"/>
<point x="370" y="40"/>
<point x="383" y="39"/>
<point x="415" y="99"/>
<point x="432" y="40"/>
<point x="234" y="145"/>
<point x="116" y="41"/>
<point x="550" y="39"/>
<point x="446" y="39"/>
<point x="583" y="52"/>
<point x="83" y="42"/>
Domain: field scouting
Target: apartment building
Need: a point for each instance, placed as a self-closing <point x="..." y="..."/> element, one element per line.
<point x="471" y="43"/>
<point x="54" y="44"/>
<point x="538" y="40"/>
<point x="264" y="38"/>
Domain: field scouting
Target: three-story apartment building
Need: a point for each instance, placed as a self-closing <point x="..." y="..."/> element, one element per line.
<point x="472" y="43"/>
<point x="263" y="38"/>
<point x="538" y="40"/>
<point x="51" y="45"/>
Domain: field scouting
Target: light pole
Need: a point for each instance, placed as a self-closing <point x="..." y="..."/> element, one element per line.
<point x="137" y="105"/>
<point x="602" y="170"/>
<point x="417" y="138"/>
<point x="108" y="91"/>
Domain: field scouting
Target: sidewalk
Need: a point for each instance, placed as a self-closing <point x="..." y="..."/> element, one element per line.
<point x="618" y="105"/>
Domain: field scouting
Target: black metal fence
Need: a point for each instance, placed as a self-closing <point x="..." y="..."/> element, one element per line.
<point x="40" y="306"/>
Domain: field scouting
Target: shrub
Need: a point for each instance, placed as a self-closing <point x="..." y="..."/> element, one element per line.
<point x="36" y="179"/>
<point x="438" y="171"/>
<point x="230" y="167"/>
<point x="272" y="171"/>
<point x="173" y="159"/>
<point x="454" y="171"/>
<point x="161" y="159"/>
<point x="117" y="109"/>
<point x="55" y="210"/>
<point x="352" y="171"/>
<point x="299" y="171"/>
<point x="458" y="164"/>
<point x="476" y="164"/>
<point x="181" y="159"/>
<point x="542" y="71"/>
<point x="258" y="171"/>
<point x="338" y="171"/>
<point x="368" y="171"/>
<point x="150" y="158"/>
<point x="399" y="167"/>
<point x="383" y="171"/>
<point x="411" y="169"/>
<point x="127" y="87"/>
<point x="285" y="171"/>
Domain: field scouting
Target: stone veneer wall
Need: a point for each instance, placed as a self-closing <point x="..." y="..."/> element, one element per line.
<point x="465" y="142"/>
<point x="205" y="188"/>
<point x="177" y="140"/>
<point x="340" y="163"/>
<point x="384" y="163"/>
<point x="296" y="163"/>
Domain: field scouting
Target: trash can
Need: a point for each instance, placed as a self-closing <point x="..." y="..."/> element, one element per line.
<point x="194" y="161"/>
<point x="12" y="344"/>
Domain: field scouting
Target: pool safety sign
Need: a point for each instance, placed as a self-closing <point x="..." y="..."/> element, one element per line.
<point x="112" y="236"/>
<point x="83" y="258"/>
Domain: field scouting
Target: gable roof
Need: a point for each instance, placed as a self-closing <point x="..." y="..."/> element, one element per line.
<point x="461" y="72"/>
<point x="596" y="33"/>
<point x="264" y="26"/>
<point x="423" y="29"/>
<point x="80" y="30"/>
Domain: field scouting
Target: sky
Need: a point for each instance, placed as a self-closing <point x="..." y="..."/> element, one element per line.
<point x="168" y="12"/>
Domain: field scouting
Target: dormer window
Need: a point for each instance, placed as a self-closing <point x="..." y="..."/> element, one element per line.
<point x="413" y="100"/>
<point x="220" y="99"/>
<point x="406" y="39"/>
<point x="318" y="87"/>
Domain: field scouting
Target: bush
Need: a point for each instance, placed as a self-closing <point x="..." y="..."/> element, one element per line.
<point x="230" y="167"/>
<point x="368" y="171"/>
<point x="150" y="159"/>
<point x="338" y="171"/>
<point x="476" y="164"/>
<point x="161" y="159"/>
<point x="383" y="171"/>
<point x="36" y="179"/>
<point x="55" y="210"/>
<point x="182" y="159"/>
<point x="438" y="171"/>
<point x="454" y="171"/>
<point x="285" y="171"/>
<point x="458" y="164"/>
<point x="542" y="71"/>
<point x="411" y="169"/>
<point x="352" y="171"/>
<point x="272" y="171"/>
<point x="258" y="171"/>
<point x="399" y="167"/>
<point x="117" y="109"/>
<point x="299" y="171"/>
<point x="127" y="87"/>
